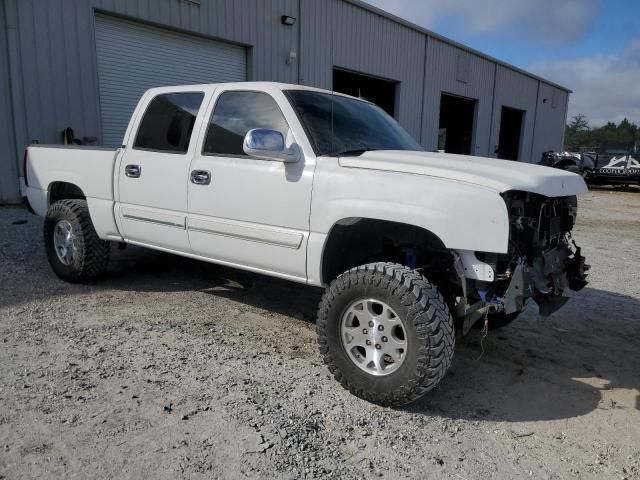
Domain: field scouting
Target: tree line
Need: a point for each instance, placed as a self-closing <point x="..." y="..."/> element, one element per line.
<point x="580" y="135"/>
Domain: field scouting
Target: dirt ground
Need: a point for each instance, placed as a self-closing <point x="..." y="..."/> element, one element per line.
<point x="171" y="368"/>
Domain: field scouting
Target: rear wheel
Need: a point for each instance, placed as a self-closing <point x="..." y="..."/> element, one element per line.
<point x="385" y="333"/>
<point x="75" y="252"/>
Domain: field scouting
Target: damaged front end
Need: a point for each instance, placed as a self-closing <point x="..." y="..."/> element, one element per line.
<point x="542" y="261"/>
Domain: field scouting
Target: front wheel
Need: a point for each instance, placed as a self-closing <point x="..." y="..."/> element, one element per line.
<point x="75" y="252"/>
<point x="385" y="333"/>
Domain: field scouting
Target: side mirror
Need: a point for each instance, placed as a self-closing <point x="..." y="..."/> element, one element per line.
<point x="269" y="145"/>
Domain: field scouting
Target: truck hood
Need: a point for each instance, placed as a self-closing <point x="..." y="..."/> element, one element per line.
<point x="498" y="175"/>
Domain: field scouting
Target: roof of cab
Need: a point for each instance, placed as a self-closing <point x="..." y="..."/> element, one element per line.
<point x="266" y="86"/>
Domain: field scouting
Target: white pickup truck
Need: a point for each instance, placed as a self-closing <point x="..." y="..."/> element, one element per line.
<point x="326" y="190"/>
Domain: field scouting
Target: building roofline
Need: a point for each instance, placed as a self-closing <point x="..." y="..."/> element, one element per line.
<point x="394" y="18"/>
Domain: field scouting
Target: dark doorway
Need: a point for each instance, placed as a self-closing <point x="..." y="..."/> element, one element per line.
<point x="376" y="90"/>
<point x="511" y="122"/>
<point x="456" y="124"/>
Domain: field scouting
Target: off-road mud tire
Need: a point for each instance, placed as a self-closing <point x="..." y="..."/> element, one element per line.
<point x="91" y="254"/>
<point x="427" y="321"/>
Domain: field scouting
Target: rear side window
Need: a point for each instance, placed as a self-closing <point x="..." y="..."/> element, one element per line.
<point x="168" y="122"/>
<point x="235" y="114"/>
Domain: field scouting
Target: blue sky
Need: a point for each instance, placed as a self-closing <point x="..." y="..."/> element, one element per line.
<point x="590" y="46"/>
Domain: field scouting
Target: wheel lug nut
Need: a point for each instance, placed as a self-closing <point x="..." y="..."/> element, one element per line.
<point x="368" y="342"/>
<point x="371" y="324"/>
<point x="384" y="339"/>
<point x="380" y="327"/>
<point x="365" y="331"/>
<point x="378" y="346"/>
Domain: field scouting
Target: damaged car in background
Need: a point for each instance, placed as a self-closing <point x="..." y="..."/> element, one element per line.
<point x="327" y="190"/>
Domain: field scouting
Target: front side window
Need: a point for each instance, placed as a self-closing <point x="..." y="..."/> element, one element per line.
<point x="234" y="115"/>
<point x="167" y="124"/>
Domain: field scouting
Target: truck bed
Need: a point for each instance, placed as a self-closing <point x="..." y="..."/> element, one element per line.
<point x="89" y="168"/>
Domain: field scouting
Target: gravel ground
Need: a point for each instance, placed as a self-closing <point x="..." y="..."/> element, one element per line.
<point x="171" y="368"/>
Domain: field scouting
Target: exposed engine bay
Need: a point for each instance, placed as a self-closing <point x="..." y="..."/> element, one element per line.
<point x="542" y="261"/>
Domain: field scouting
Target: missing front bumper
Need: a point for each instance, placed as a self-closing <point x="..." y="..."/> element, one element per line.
<point x="546" y="279"/>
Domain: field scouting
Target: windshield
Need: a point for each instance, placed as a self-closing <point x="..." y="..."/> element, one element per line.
<point x="356" y="127"/>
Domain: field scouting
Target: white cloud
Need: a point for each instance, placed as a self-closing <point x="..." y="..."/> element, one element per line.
<point x="551" y="21"/>
<point x="606" y="87"/>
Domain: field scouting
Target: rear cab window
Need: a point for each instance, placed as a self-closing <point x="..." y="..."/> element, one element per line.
<point x="167" y="124"/>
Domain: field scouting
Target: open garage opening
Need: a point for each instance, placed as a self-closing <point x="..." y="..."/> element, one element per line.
<point x="376" y="90"/>
<point x="511" y="122"/>
<point x="457" y="121"/>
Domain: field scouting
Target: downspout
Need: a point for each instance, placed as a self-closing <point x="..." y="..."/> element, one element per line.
<point x="17" y="106"/>
<point x="564" y="123"/>
<point x="424" y="89"/>
<point x="535" y="123"/>
<point x="300" y="45"/>
<point x="493" y="109"/>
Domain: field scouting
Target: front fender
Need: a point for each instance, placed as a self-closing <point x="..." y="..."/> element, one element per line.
<point x="464" y="216"/>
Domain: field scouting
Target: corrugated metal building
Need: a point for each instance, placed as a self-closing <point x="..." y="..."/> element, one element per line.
<point x="84" y="63"/>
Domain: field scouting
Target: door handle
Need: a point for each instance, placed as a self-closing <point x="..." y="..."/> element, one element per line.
<point x="200" y="177"/>
<point x="133" y="171"/>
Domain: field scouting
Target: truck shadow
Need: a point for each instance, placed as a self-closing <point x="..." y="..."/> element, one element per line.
<point x="142" y="269"/>
<point x="535" y="369"/>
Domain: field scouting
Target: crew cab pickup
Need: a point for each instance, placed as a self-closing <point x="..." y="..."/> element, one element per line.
<point x="326" y="190"/>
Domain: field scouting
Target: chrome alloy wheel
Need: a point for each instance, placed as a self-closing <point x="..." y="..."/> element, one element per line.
<point x="373" y="336"/>
<point x="64" y="242"/>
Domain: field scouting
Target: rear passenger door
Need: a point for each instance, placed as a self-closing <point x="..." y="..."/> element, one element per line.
<point x="154" y="168"/>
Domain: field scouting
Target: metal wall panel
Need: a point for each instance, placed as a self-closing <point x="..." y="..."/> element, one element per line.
<point x="550" y="121"/>
<point x="442" y="77"/>
<point x="8" y="165"/>
<point x="340" y="34"/>
<point x="133" y="57"/>
<point x="519" y="91"/>
<point x="53" y="60"/>
<point x="54" y="82"/>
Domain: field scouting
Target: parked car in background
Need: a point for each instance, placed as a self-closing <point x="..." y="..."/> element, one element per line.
<point x="611" y="167"/>
<point x="326" y="190"/>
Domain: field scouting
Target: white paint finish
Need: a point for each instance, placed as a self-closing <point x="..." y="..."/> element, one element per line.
<point x="259" y="215"/>
<point x="162" y="185"/>
<point x="268" y="200"/>
<point x="474" y="268"/>
<point x="103" y="218"/>
<point x="497" y="175"/>
<point x="154" y="215"/>
<point x="91" y="169"/>
<point x="243" y="266"/>
<point x="38" y="199"/>
<point x="278" y="237"/>
<point x="315" y="251"/>
<point x="440" y="205"/>
<point x="250" y="254"/>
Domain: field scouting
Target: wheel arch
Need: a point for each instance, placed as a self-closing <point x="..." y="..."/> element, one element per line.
<point x="61" y="190"/>
<point x="354" y="241"/>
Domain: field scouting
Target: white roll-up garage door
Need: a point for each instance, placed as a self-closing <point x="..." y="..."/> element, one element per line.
<point x="133" y="57"/>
